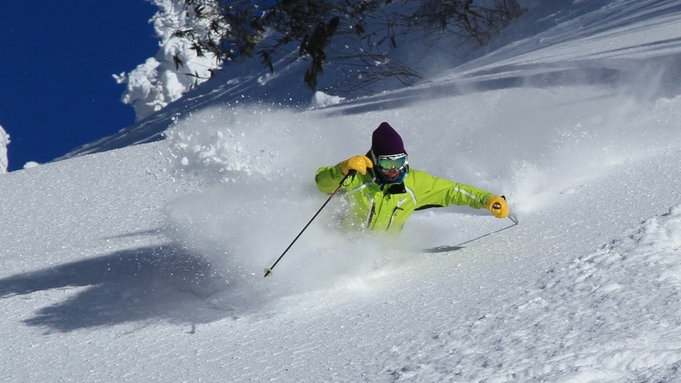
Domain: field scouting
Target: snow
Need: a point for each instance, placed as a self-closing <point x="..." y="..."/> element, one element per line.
<point x="4" y="141"/>
<point x="31" y="164"/>
<point x="321" y="99"/>
<point x="145" y="263"/>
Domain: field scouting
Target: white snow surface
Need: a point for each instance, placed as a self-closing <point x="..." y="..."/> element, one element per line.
<point x="145" y="263"/>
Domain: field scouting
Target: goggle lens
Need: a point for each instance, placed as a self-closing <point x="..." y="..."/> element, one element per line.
<point x="392" y="162"/>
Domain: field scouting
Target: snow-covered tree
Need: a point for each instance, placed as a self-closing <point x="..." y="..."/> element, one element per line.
<point x="357" y="39"/>
<point x="4" y="141"/>
<point x="353" y="36"/>
<point x="177" y="67"/>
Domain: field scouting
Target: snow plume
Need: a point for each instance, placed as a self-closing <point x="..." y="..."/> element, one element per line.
<point x="257" y="165"/>
<point x="545" y="141"/>
<point x="4" y="141"/>
<point x="176" y="68"/>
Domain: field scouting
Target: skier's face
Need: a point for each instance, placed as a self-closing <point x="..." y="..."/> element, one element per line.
<point x="391" y="166"/>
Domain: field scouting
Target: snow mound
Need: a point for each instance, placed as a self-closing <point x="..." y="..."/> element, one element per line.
<point x="321" y="100"/>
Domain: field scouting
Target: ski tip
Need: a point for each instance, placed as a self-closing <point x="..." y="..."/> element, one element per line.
<point x="268" y="272"/>
<point x="513" y="219"/>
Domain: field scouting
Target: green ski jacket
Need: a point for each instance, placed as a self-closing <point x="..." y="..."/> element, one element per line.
<point x="387" y="207"/>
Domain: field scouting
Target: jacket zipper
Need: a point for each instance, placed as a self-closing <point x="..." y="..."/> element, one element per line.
<point x="392" y="216"/>
<point x="390" y="223"/>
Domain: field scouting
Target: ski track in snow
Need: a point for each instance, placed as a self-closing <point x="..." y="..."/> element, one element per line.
<point x="145" y="263"/>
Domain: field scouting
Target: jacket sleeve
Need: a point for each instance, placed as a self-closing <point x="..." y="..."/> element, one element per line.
<point x="328" y="178"/>
<point x="434" y="191"/>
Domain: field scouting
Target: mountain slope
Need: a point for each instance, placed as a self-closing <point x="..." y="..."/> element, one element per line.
<point x="145" y="263"/>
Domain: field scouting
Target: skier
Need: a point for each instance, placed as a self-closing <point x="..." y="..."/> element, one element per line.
<point x="386" y="191"/>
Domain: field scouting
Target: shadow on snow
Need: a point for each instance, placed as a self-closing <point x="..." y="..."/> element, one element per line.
<point x="163" y="282"/>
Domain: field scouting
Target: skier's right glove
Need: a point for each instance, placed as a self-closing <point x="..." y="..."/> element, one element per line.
<point x="358" y="163"/>
<point x="498" y="206"/>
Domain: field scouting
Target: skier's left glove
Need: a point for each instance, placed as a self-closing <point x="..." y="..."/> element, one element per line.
<point x="356" y="163"/>
<point x="498" y="206"/>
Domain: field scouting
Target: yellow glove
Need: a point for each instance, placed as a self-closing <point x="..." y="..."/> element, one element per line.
<point x="498" y="206"/>
<point x="358" y="163"/>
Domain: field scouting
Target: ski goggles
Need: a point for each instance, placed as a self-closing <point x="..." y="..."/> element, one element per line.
<point x="394" y="161"/>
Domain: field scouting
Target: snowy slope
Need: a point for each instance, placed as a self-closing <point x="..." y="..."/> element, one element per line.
<point x="145" y="263"/>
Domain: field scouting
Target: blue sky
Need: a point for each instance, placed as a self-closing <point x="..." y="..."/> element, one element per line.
<point x="56" y="60"/>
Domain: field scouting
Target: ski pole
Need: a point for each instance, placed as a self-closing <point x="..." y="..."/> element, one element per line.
<point x="443" y="249"/>
<point x="268" y="271"/>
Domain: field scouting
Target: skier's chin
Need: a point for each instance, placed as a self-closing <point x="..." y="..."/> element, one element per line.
<point x="391" y="174"/>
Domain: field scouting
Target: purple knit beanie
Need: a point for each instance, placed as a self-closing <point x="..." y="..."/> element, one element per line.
<point x="386" y="140"/>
